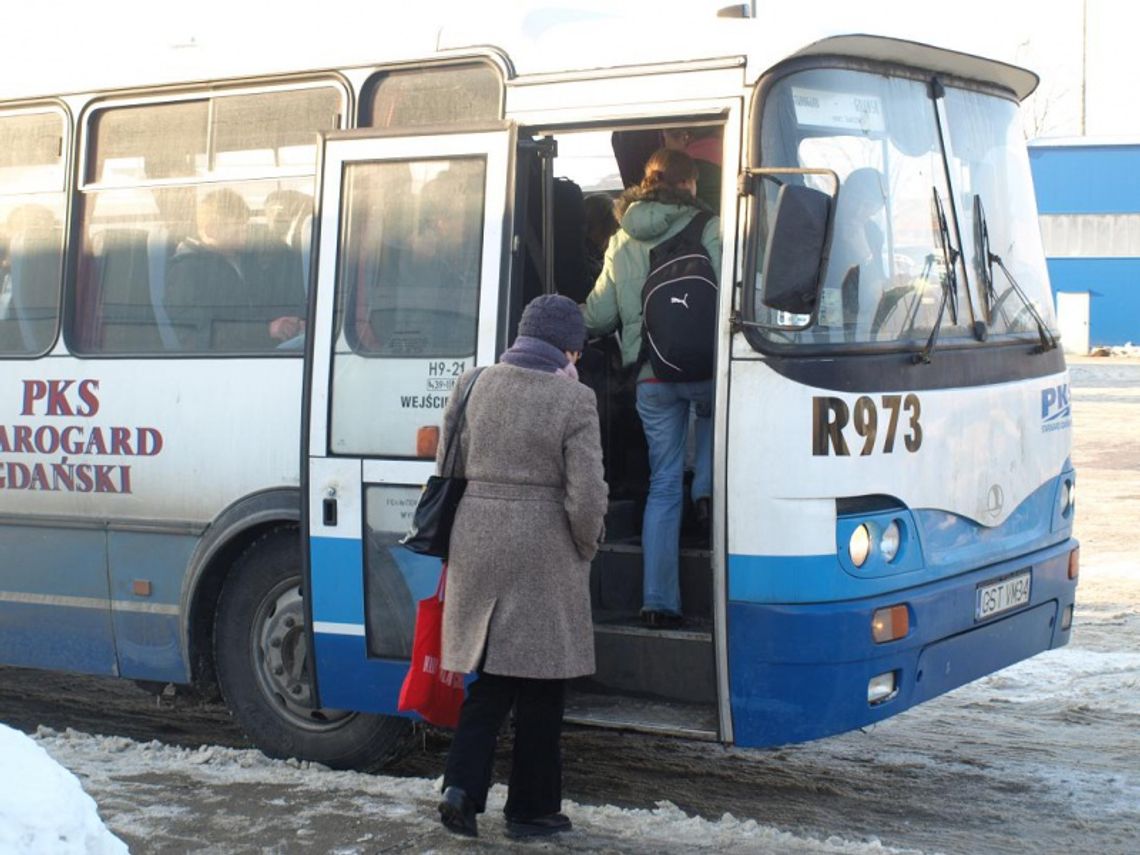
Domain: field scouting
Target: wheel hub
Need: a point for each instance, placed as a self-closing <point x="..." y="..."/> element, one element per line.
<point x="282" y="659"/>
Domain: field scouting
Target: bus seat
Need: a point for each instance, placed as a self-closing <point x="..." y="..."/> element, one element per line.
<point x="569" y="222"/>
<point x="35" y="267"/>
<point x="128" y="316"/>
<point x="159" y="248"/>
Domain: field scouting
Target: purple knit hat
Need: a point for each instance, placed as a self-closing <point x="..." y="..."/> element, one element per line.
<point x="555" y="319"/>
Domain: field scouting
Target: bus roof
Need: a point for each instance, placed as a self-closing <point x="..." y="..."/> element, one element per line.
<point x="244" y="43"/>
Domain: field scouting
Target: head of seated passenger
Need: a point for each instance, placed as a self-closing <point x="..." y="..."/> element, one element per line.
<point x="450" y="219"/>
<point x="601" y="224"/>
<point x="223" y="222"/>
<point x="30" y="221"/>
<point x="284" y="212"/>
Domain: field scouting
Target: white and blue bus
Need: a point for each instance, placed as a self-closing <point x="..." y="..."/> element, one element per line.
<point x="236" y="295"/>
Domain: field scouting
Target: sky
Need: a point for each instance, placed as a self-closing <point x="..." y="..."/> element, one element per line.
<point x="1067" y="42"/>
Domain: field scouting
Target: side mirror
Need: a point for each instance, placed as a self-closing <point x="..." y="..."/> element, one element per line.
<point x="794" y="251"/>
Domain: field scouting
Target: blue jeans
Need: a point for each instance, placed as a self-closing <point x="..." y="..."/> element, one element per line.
<point x="664" y="411"/>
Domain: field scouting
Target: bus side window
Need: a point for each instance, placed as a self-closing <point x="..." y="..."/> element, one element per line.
<point x="193" y="212"/>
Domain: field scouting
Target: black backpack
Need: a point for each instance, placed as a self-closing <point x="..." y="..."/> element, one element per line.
<point x="678" y="307"/>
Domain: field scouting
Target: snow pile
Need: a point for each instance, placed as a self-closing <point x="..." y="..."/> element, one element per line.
<point x="43" y="807"/>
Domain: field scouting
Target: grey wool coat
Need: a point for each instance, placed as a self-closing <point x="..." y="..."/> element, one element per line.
<point x="527" y="527"/>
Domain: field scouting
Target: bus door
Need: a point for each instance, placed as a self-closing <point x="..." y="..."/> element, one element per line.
<point x="408" y="282"/>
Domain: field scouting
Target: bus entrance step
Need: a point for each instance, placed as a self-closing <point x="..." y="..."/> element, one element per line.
<point x="693" y="721"/>
<point x="669" y="664"/>
<point x="615" y="579"/>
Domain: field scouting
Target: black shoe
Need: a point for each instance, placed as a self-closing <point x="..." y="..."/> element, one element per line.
<point x="540" y="826"/>
<point x="661" y="620"/>
<point x="457" y="813"/>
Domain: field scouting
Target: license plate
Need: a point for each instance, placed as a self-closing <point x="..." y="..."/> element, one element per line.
<point x="996" y="597"/>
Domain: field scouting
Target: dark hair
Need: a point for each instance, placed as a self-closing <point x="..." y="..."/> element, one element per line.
<point x="668" y="167"/>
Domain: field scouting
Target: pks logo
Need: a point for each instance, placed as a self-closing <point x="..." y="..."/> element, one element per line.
<point x="1056" y="412"/>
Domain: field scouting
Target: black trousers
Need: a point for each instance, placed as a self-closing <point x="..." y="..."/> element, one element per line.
<point x="535" y="787"/>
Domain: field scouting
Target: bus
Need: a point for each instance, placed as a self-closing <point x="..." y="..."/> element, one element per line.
<point x="237" y="289"/>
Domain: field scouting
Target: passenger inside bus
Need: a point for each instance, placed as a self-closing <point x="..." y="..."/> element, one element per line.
<point x="601" y="367"/>
<point x="417" y="262"/>
<point x="633" y="148"/>
<point x="601" y="224"/>
<point x="703" y="145"/>
<point x="224" y="293"/>
<point x="660" y="207"/>
<point x="856" y="263"/>
<point x="286" y="212"/>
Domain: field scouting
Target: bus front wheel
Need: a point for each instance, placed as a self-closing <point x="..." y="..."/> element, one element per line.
<point x="264" y="668"/>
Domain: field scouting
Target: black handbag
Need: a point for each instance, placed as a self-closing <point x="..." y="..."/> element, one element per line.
<point x="430" y="533"/>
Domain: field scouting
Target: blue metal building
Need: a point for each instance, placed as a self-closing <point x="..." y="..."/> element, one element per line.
<point x="1088" y="199"/>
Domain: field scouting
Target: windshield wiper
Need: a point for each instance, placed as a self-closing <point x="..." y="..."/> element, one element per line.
<point x="989" y="259"/>
<point x="984" y="259"/>
<point x="949" y="279"/>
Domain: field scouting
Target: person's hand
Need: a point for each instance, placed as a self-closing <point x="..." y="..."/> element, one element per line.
<point x="283" y="329"/>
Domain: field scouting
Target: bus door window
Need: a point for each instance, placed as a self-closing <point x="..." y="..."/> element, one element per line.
<point x="193" y="219"/>
<point x="32" y="201"/>
<point x="408" y="285"/>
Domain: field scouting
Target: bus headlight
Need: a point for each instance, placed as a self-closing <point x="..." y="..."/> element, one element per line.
<point x="859" y="546"/>
<point x="890" y="541"/>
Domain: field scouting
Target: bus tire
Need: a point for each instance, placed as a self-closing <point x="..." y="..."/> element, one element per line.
<point x="263" y="667"/>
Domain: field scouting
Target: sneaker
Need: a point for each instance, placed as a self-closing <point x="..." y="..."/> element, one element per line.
<point x="541" y="826"/>
<point x="457" y="813"/>
<point x="660" y="620"/>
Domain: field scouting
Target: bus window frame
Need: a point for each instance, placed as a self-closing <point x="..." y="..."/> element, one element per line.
<point x="84" y="140"/>
<point x="758" y="335"/>
<point x="67" y="188"/>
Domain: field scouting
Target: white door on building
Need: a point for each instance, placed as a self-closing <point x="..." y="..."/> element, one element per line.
<point x="1073" y="319"/>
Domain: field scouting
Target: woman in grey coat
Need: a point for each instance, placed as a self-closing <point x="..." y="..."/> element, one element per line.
<point x="517" y="604"/>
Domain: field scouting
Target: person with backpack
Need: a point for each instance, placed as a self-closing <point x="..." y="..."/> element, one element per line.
<point x="659" y="286"/>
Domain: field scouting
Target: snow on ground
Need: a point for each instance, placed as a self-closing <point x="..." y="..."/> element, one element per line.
<point x="387" y="811"/>
<point x="43" y="808"/>
<point x="1041" y="756"/>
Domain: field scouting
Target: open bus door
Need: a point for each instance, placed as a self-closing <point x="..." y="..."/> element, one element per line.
<point x="410" y="271"/>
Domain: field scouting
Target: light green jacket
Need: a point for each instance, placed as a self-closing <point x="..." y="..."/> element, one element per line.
<point x="615" y="302"/>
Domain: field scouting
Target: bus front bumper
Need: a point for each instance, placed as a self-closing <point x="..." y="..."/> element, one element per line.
<point x="803" y="671"/>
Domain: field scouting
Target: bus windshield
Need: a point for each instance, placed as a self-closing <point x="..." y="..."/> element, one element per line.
<point x="887" y="270"/>
<point x="989" y="163"/>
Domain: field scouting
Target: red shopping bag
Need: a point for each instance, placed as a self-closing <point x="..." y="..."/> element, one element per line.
<point x="429" y="690"/>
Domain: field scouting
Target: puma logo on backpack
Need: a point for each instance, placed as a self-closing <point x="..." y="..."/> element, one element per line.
<point x="678" y="307"/>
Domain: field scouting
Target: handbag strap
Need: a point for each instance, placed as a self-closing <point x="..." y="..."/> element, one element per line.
<point x="439" y="589"/>
<point x="448" y="462"/>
